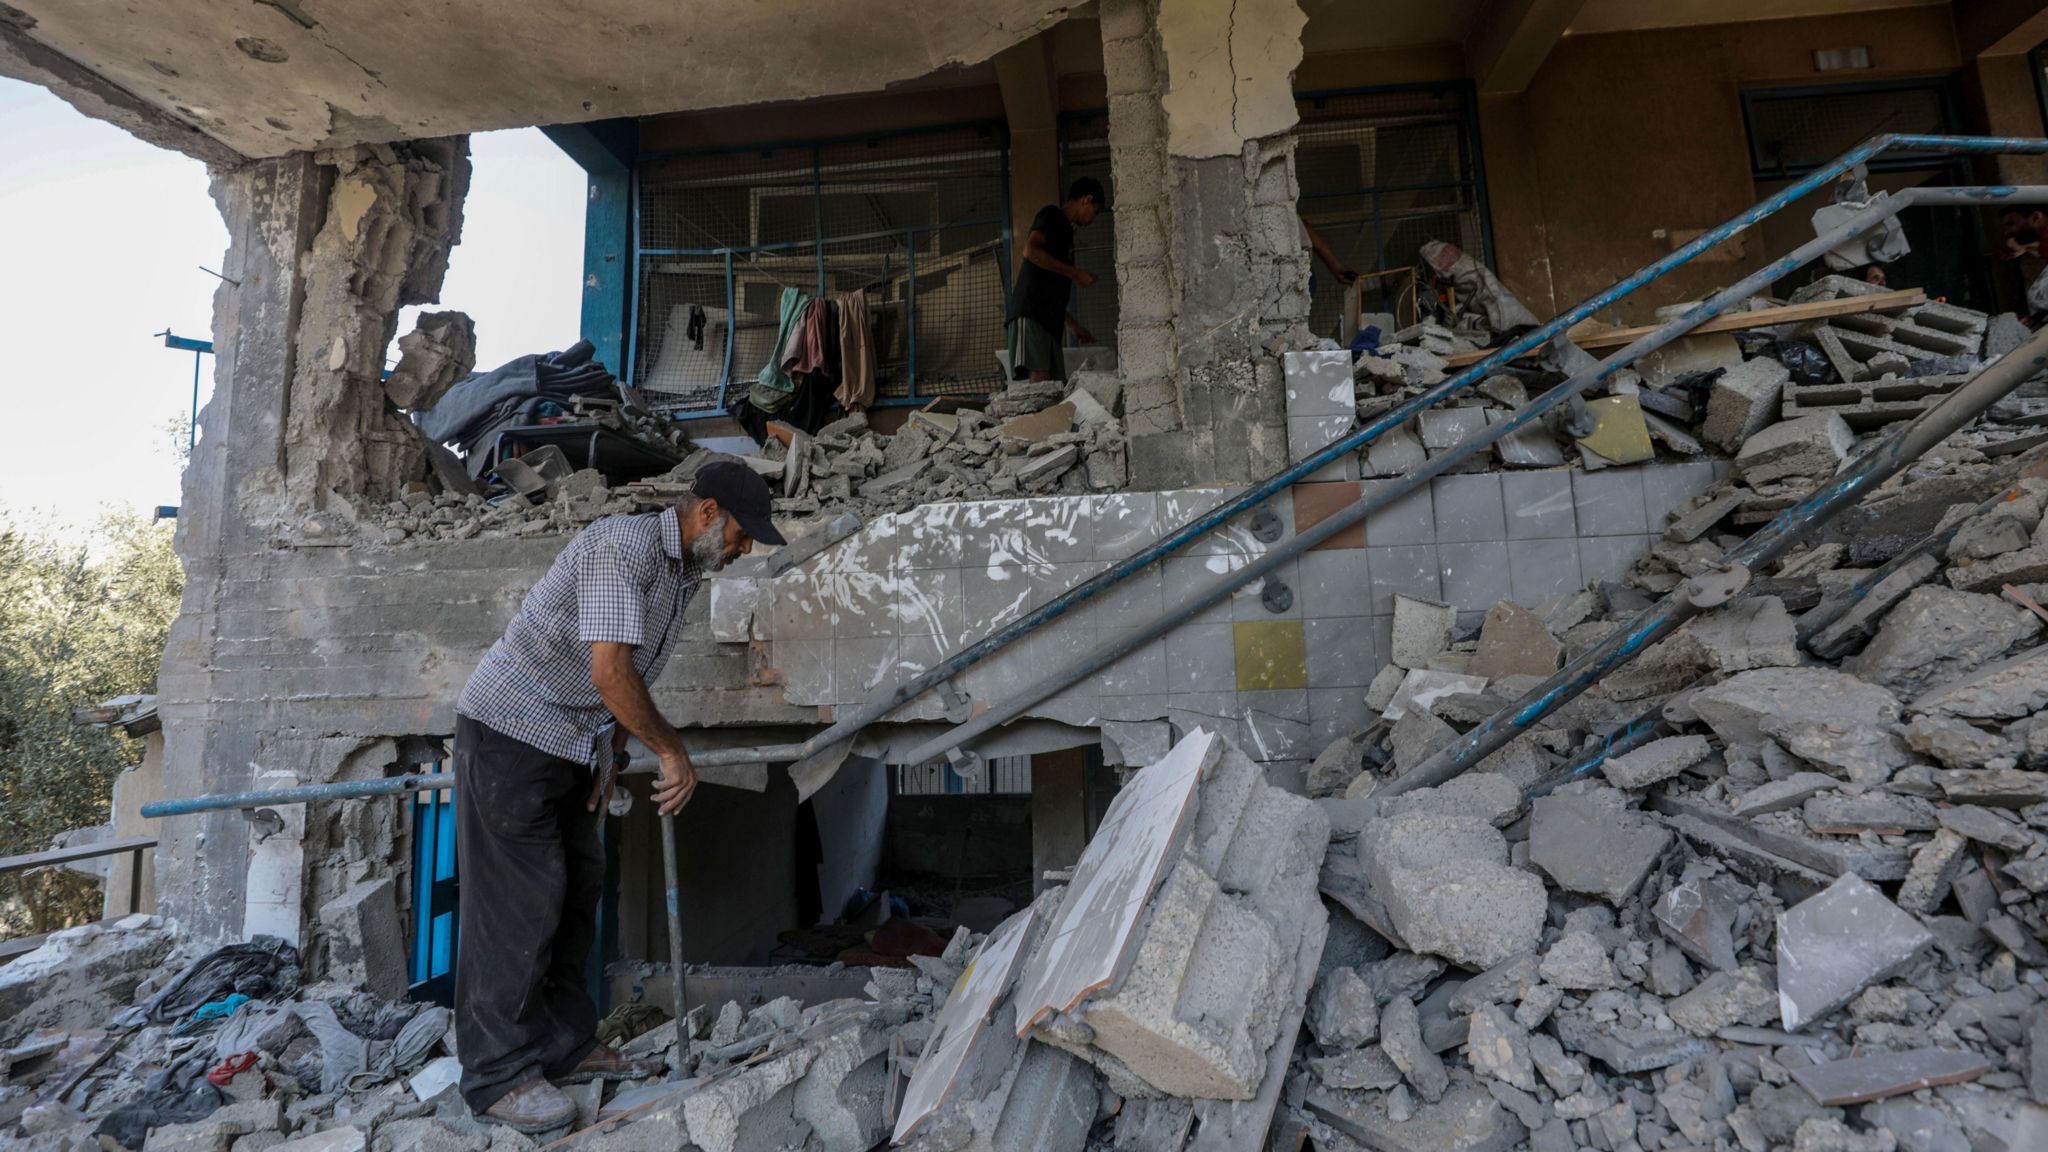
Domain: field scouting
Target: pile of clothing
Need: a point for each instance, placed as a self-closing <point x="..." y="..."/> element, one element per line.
<point x="482" y="404"/>
<point x="823" y="364"/>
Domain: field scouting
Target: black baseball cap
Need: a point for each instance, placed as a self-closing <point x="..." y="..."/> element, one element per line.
<point x="740" y="491"/>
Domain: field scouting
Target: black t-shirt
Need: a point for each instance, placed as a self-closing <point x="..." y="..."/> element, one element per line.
<point x="1039" y="294"/>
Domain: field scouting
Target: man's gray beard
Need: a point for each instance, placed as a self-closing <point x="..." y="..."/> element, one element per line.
<point x="708" y="549"/>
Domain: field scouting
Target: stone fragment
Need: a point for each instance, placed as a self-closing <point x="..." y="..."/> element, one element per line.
<point x="1959" y="744"/>
<point x="1499" y="984"/>
<point x="1466" y="1119"/>
<point x="1918" y="1127"/>
<point x="1722" y="999"/>
<point x="1514" y="642"/>
<point x="1837" y="814"/>
<point x="1401" y="1038"/>
<point x="1657" y="761"/>
<point x="1497" y="1047"/>
<point x="1564" y="1073"/>
<point x="2036" y="1069"/>
<point x="1811" y="447"/>
<point x="1667" y="974"/>
<point x="2002" y="690"/>
<point x="365" y="939"/>
<point x="1938" y="634"/>
<point x="1336" y="766"/>
<point x="1342" y="1011"/>
<point x="1486" y="795"/>
<point x="1784" y="795"/>
<point x="1628" y="1050"/>
<point x="1578" y="962"/>
<point x="432" y="358"/>
<point x="1593" y="845"/>
<point x="1829" y="718"/>
<point x="1862" y="620"/>
<point x="1041" y="425"/>
<point x="1859" y="1079"/>
<point x="1742" y="401"/>
<point x="1992" y="787"/>
<point x="1838" y="942"/>
<point x="1416" y="736"/>
<point x="1990" y="535"/>
<point x="1825" y="1135"/>
<point x="1368" y="1068"/>
<point x="1422" y="628"/>
<point x="1445" y="882"/>
<point x="1987" y="826"/>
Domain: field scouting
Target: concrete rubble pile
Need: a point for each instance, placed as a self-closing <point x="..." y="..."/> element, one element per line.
<point x="111" y="1048"/>
<point x="1031" y="439"/>
<point x="1831" y="379"/>
<point x="1811" y="912"/>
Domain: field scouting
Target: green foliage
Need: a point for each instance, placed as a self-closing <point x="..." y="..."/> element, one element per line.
<point x="80" y="622"/>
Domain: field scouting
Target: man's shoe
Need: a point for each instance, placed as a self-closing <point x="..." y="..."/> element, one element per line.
<point x="534" y="1107"/>
<point x="605" y="1063"/>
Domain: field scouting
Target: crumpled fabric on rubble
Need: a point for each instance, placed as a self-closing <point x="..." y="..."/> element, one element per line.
<point x="1479" y="287"/>
<point x="258" y="1027"/>
<point x="350" y="1061"/>
<point x="264" y="967"/>
<point x="179" y="1094"/>
<point x="207" y="1015"/>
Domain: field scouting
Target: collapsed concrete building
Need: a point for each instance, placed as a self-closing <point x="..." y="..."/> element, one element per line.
<point x="343" y="576"/>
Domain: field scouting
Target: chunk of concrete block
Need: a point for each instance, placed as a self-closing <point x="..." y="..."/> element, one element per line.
<point x="1448" y="889"/>
<point x="1934" y="868"/>
<point x="1499" y="1048"/>
<point x="1829" y="718"/>
<point x="1578" y="962"/>
<point x="1657" y="761"/>
<point x="2002" y="690"/>
<point x="1594" y="845"/>
<point x="1342" y="1011"/>
<point x="365" y="940"/>
<point x="1401" y="1039"/>
<point x="1939" y="634"/>
<point x="1784" y="795"/>
<point x="1987" y="826"/>
<point x="1514" y="642"/>
<point x="1422" y="628"/>
<point x="1837" y="943"/>
<point x="1811" y="447"/>
<point x="1723" y="999"/>
<point x="1742" y="401"/>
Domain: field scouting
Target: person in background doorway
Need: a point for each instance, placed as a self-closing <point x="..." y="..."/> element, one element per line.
<point x="1316" y="244"/>
<point x="1037" y="312"/>
<point x="537" y="730"/>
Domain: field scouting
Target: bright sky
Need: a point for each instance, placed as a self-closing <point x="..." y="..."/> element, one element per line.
<point x="102" y="238"/>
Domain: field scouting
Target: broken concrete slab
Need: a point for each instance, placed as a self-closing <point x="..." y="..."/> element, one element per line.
<point x="1860" y="1079"/>
<point x="2002" y="690"/>
<point x="1993" y="787"/>
<point x="365" y="939"/>
<point x="1513" y="641"/>
<point x="1595" y="844"/>
<point x="1837" y="943"/>
<point x="1466" y="1119"/>
<point x="1988" y="826"/>
<point x="1964" y="747"/>
<point x="1499" y="1048"/>
<point x="1342" y="1011"/>
<point x="1837" y="814"/>
<point x="1401" y="1039"/>
<point x="1860" y="622"/>
<point x="1784" y="795"/>
<point x="1832" y="719"/>
<point x="1221" y="955"/>
<point x="1936" y="635"/>
<point x="1578" y="962"/>
<point x="1422" y="628"/>
<point x="1811" y="447"/>
<point x="1657" y="761"/>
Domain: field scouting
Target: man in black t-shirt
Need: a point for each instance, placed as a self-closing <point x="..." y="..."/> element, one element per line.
<point x="1038" y="300"/>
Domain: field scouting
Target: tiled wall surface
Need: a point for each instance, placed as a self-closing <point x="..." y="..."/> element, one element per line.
<point x="910" y="588"/>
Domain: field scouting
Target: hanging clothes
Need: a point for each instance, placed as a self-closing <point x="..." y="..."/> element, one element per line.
<point x="772" y="387"/>
<point x="806" y="351"/>
<point x="856" y="389"/>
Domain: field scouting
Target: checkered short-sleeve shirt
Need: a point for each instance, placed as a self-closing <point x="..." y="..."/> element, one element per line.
<point x="623" y="580"/>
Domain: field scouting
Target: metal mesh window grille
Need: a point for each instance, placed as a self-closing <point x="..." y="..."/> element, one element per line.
<point x="1084" y="151"/>
<point x="916" y="222"/>
<point x="1381" y="173"/>
<point x="1795" y="130"/>
<point x="1006" y="776"/>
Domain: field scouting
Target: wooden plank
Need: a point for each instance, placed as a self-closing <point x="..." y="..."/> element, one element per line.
<point x="1735" y="321"/>
<point x="81" y="852"/>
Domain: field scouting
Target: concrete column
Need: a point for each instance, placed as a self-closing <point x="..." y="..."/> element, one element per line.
<point x="272" y="209"/>
<point x="1031" y="109"/>
<point x="1212" y="268"/>
<point x="1059" y="811"/>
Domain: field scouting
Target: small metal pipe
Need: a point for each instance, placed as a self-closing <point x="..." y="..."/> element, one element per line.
<point x="1016" y="703"/>
<point x="1639" y="731"/>
<point x="675" y="918"/>
<point x="1990" y="384"/>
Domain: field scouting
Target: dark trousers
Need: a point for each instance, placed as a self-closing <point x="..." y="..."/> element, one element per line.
<point x="532" y="872"/>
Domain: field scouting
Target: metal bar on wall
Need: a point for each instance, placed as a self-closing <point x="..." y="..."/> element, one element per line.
<point x="732" y="335"/>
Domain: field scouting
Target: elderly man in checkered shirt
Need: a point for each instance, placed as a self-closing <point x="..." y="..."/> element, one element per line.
<point x="552" y="701"/>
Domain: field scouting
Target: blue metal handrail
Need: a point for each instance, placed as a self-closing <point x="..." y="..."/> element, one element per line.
<point x="1283" y="480"/>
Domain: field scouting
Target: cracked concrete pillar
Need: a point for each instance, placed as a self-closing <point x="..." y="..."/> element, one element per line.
<point x="1210" y="257"/>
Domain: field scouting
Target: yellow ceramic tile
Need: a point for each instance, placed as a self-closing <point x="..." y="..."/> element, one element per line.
<point x="1621" y="435"/>
<point x="1270" y="654"/>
